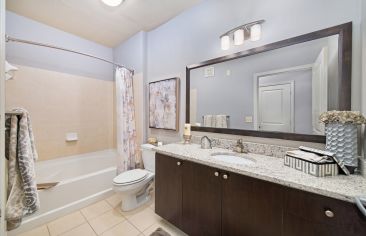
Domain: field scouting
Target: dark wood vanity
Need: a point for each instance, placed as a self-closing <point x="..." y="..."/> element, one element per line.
<point x="201" y="200"/>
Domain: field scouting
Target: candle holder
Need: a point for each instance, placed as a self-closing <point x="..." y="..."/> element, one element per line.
<point x="187" y="139"/>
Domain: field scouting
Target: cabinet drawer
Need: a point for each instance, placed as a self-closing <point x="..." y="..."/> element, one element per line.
<point x="313" y="207"/>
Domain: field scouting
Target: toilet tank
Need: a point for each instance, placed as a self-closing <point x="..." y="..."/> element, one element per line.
<point x="148" y="157"/>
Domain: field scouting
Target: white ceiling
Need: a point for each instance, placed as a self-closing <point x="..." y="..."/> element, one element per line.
<point x="93" y="20"/>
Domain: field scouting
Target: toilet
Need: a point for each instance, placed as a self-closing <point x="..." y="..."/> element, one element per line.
<point x="133" y="185"/>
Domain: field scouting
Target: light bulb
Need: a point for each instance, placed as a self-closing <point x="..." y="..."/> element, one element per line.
<point x="255" y="32"/>
<point x="225" y="42"/>
<point x="112" y="3"/>
<point x="239" y="37"/>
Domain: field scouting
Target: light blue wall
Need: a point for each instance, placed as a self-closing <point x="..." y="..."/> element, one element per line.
<point x="29" y="55"/>
<point x="193" y="36"/>
<point x="132" y="52"/>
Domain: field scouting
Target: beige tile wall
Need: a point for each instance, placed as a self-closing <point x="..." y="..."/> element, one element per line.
<point x="61" y="103"/>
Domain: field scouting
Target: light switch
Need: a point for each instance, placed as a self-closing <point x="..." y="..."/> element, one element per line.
<point x="209" y="71"/>
<point x="70" y="137"/>
<point x="248" y="119"/>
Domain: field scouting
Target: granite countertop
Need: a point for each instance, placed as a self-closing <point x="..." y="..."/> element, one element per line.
<point x="272" y="169"/>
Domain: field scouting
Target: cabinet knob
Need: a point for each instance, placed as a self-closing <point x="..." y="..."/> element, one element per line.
<point x="225" y="176"/>
<point x="179" y="163"/>
<point x="329" y="213"/>
<point x="216" y="173"/>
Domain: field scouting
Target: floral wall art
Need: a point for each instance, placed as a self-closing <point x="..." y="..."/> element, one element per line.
<point x="163" y="104"/>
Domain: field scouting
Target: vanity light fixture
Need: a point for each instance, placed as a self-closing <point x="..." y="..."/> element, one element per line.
<point x="255" y="32"/>
<point x="252" y="31"/>
<point x="225" y="42"/>
<point x="239" y="37"/>
<point x="113" y="3"/>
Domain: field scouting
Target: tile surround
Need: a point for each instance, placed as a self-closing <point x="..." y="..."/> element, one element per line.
<point x="257" y="148"/>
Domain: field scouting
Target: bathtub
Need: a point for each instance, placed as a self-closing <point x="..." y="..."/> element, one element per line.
<point x="83" y="179"/>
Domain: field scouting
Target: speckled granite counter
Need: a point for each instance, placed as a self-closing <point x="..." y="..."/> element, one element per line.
<point x="272" y="169"/>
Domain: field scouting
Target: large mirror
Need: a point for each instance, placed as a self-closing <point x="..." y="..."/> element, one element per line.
<point x="278" y="90"/>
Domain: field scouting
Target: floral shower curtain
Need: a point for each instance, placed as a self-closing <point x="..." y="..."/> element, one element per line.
<point x="126" y="124"/>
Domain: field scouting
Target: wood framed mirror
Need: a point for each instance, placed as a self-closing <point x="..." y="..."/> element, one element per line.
<point x="273" y="91"/>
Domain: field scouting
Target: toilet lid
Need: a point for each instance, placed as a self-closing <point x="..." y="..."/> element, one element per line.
<point x="130" y="177"/>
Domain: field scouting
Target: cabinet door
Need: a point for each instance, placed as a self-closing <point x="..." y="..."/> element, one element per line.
<point x="168" y="188"/>
<point x="251" y="207"/>
<point x="201" y="200"/>
<point x="306" y="214"/>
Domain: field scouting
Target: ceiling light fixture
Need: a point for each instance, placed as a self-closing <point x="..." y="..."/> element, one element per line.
<point x="252" y="31"/>
<point x="112" y="3"/>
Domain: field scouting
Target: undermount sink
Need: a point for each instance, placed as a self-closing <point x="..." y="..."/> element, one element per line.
<point x="232" y="158"/>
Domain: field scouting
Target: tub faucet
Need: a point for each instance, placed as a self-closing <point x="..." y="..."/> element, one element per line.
<point x="240" y="148"/>
<point x="206" y="143"/>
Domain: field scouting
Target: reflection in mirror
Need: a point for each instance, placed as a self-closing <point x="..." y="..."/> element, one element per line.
<point x="281" y="90"/>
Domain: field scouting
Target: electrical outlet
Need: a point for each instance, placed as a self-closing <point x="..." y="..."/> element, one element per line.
<point x="248" y="119"/>
<point x="228" y="72"/>
<point x="209" y="71"/>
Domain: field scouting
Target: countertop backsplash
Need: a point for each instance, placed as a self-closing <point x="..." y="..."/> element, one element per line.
<point x="257" y="148"/>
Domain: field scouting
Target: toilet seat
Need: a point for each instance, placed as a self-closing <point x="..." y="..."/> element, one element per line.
<point x="130" y="177"/>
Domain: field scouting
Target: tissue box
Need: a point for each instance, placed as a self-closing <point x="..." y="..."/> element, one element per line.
<point x="312" y="168"/>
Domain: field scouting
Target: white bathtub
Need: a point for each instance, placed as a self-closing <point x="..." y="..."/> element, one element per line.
<point x="83" y="179"/>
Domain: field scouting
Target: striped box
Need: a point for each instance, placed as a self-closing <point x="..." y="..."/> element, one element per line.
<point x="311" y="168"/>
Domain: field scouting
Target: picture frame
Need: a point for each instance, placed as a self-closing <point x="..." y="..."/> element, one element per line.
<point x="164" y="104"/>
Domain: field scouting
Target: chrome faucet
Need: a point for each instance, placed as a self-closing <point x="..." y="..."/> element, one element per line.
<point x="240" y="148"/>
<point x="206" y="143"/>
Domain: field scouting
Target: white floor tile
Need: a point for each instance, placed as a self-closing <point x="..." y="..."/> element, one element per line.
<point x="66" y="223"/>
<point x="96" y="209"/>
<point x="39" y="231"/>
<point x="125" y="228"/>
<point x="114" y="200"/>
<point x="106" y="221"/>
<point x="143" y="219"/>
<point x="82" y="230"/>
<point x="171" y="229"/>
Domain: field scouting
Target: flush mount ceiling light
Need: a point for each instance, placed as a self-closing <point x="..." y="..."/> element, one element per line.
<point x="113" y="3"/>
<point x="252" y="31"/>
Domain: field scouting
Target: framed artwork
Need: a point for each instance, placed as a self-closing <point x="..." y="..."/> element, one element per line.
<point x="163" y="104"/>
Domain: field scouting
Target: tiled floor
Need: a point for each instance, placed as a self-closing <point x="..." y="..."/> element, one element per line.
<point x="105" y="218"/>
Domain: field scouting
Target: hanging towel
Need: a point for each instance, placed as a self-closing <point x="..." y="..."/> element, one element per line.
<point x="22" y="187"/>
<point x="220" y="121"/>
<point x="207" y="120"/>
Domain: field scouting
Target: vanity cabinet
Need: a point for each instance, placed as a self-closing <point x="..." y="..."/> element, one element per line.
<point x="307" y="213"/>
<point x="250" y="206"/>
<point x="202" y="200"/>
<point x="168" y="188"/>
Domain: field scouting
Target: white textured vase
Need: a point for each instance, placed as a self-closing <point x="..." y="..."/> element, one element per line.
<point x="341" y="139"/>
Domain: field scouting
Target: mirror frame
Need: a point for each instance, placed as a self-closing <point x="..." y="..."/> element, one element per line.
<point x="344" y="32"/>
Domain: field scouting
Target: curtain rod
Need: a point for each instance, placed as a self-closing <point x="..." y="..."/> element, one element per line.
<point x="11" y="39"/>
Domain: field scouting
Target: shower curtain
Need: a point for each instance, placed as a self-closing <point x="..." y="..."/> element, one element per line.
<point x="126" y="124"/>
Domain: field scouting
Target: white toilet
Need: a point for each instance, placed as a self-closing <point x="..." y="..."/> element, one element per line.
<point x="133" y="185"/>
